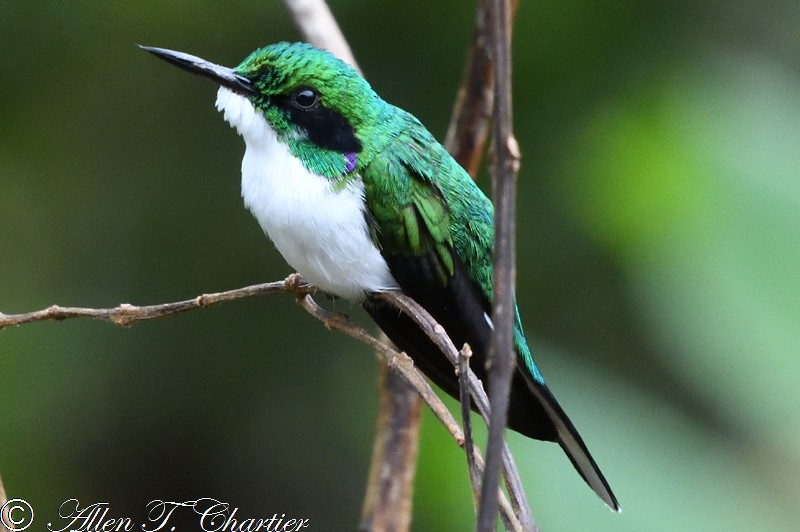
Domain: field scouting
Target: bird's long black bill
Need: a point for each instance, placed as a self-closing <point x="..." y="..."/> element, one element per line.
<point x="227" y="77"/>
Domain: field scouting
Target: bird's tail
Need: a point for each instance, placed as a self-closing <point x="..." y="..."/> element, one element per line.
<point x="572" y="444"/>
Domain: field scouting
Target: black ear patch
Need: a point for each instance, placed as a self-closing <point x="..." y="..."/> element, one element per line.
<point x="325" y="127"/>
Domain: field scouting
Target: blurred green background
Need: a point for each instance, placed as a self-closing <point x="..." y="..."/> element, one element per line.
<point x="659" y="264"/>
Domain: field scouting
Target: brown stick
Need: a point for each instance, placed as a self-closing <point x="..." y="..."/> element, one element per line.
<point x="387" y="506"/>
<point x="463" y="397"/>
<point x="501" y="358"/>
<point x="472" y="110"/>
<point x="126" y="315"/>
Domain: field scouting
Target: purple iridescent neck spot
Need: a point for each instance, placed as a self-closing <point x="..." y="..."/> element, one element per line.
<point x="350" y="158"/>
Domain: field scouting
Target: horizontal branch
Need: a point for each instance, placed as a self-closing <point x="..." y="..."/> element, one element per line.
<point x="126" y="314"/>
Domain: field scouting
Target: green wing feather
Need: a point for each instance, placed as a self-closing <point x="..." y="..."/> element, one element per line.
<point x="409" y="209"/>
<point x="424" y="204"/>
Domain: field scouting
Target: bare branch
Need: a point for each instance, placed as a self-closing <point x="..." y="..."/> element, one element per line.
<point x="466" y="138"/>
<point x="502" y="353"/>
<point x="126" y="315"/>
<point x="472" y="110"/>
<point x="463" y="397"/>
<point x="388" y="500"/>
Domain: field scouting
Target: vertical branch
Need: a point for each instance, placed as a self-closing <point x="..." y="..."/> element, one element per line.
<point x="463" y="397"/>
<point x="466" y="138"/>
<point x="501" y="359"/>
<point x="390" y="487"/>
<point x="472" y="111"/>
<point x="388" y="500"/>
<point x="387" y="505"/>
<point x="465" y="141"/>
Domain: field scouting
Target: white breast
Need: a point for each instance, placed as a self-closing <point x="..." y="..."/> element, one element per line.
<point x="322" y="233"/>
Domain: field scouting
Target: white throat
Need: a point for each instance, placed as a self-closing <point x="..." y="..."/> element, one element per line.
<point x="321" y="232"/>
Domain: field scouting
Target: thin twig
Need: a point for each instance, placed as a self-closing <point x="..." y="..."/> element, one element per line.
<point x="465" y="141"/>
<point x="507" y="513"/>
<point x="466" y="137"/>
<point x="472" y="110"/>
<point x="463" y="397"/>
<point x="126" y="314"/>
<point x="501" y="357"/>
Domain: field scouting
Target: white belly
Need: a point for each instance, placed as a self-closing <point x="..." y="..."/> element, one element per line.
<point x="322" y="233"/>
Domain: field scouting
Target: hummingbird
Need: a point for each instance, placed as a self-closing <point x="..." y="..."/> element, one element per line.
<point x="359" y="198"/>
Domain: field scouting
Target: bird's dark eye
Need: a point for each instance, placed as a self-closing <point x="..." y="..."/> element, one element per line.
<point x="305" y="99"/>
